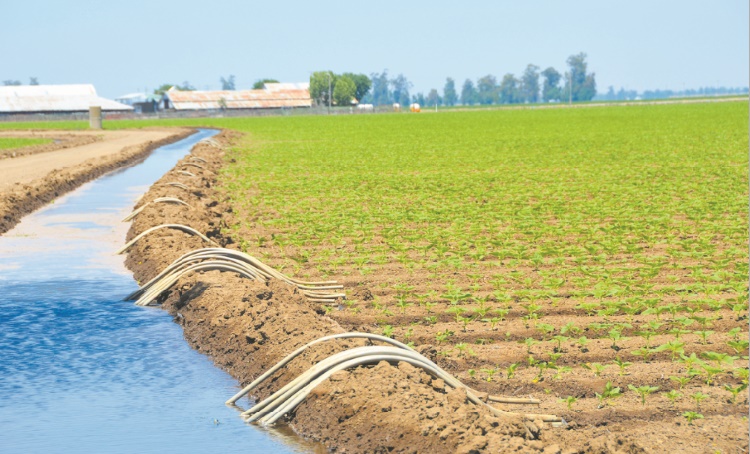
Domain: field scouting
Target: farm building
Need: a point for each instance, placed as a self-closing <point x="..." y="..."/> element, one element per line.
<point x="25" y="99"/>
<point x="271" y="96"/>
<point x="141" y="102"/>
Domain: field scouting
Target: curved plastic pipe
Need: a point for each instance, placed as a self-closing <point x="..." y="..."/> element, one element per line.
<point x="218" y="253"/>
<point x="185" y="172"/>
<point x="157" y="290"/>
<point x="299" y="351"/>
<point x="195" y="165"/>
<point x="177" y="185"/>
<point x="156" y="200"/>
<point x="184" y="228"/>
<point x="198" y="158"/>
<point x="167" y="281"/>
<point x="289" y="396"/>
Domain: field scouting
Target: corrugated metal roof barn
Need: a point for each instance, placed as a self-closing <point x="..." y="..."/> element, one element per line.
<point x="54" y="98"/>
<point x="272" y="96"/>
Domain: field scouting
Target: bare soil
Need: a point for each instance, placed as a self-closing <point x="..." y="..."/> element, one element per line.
<point x="38" y="177"/>
<point x="246" y="327"/>
<point x="60" y="140"/>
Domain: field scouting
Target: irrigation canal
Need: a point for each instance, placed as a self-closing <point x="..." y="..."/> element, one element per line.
<point x="83" y="371"/>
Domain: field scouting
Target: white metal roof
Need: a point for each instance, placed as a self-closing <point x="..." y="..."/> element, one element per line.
<point x="53" y="98"/>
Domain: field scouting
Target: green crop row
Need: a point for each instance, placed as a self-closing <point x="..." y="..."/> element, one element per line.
<point x="7" y="143"/>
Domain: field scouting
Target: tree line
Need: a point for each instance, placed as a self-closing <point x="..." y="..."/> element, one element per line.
<point x="576" y="84"/>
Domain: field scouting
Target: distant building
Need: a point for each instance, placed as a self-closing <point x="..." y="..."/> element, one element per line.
<point x="271" y="96"/>
<point x="28" y="99"/>
<point x="141" y="102"/>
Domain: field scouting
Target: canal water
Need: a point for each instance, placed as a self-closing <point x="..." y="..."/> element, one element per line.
<point x="83" y="371"/>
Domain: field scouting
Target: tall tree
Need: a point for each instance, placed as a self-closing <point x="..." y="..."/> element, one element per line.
<point x="487" y="90"/>
<point x="449" y="92"/>
<point x="228" y="83"/>
<point x="401" y="88"/>
<point x="343" y="92"/>
<point x="381" y="95"/>
<point x="10" y="82"/>
<point x="530" y="84"/>
<point x="33" y="81"/>
<point x="419" y="99"/>
<point x="321" y="86"/>
<point x="433" y="98"/>
<point x="261" y="83"/>
<point x="579" y="85"/>
<point x="551" y="85"/>
<point x="362" y="83"/>
<point x="508" y="91"/>
<point x="468" y="93"/>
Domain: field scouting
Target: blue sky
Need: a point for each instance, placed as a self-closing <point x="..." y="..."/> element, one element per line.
<point x="129" y="46"/>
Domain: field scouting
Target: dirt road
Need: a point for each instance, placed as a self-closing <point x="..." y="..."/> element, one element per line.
<point x="26" y="169"/>
<point x="33" y="180"/>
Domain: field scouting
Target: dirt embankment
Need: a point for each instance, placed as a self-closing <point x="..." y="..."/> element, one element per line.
<point x="58" y="174"/>
<point x="60" y="141"/>
<point x="246" y="327"/>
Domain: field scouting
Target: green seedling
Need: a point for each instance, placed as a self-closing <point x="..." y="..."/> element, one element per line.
<point x="595" y="367"/>
<point x="644" y="391"/>
<point x="699" y="397"/>
<point x="609" y="393"/>
<point x="735" y="391"/>
<point x="512" y="370"/>
<point x="673" y="395"/>
<point x="692" y="416"/>
<point x="681" y="381"/>
<point x="559" y="340"/>
<point x="643" y="352"/>
<point x="583" y="341"/>
<point x="570" y="400"/>
<point x="622" y="365"/>
<point x="490" y="373"/>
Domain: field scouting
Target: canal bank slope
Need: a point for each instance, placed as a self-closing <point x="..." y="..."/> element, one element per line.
<point x="246" y="327"/>
<point x="31" y="181"/>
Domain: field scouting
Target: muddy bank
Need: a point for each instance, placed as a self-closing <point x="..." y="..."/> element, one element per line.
<point x="21" y="199"/>
<point x="246" y="327"/>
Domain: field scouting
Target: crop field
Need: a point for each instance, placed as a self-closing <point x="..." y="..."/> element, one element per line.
<point x="594" y="258"/>
<point x="7" y="143"/>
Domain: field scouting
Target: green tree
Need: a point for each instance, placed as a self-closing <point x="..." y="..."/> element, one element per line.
<point x="362" y="82"/>
<point x="419" y="99"/>
<point x="579" y="85"/>
<point x="449" y="92"/>
<point x="433" y="98"/>
<point x="530" y="84"/>
<point x="9" y="82"/>
<point x="261" y="83"/>
<point x="344" y="91"/>
<point x="401" y="88"/>
<point x="508" y="90"/>
<point x="381" y="95"/>
<point x="33" y="81"/>
<point x="468" y="93"/>
<point x="228" y="83"/>
<point x="487" y="90"/>
<point x="163" y="88"/>
<point x="321" y="86"/>
<point x="551" y="85"/>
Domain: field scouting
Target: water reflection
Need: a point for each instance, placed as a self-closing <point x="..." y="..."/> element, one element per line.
<point x="84" y="371"/>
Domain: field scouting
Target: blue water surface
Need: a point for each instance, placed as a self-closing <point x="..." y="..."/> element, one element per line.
<point x="83" y="371"/>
